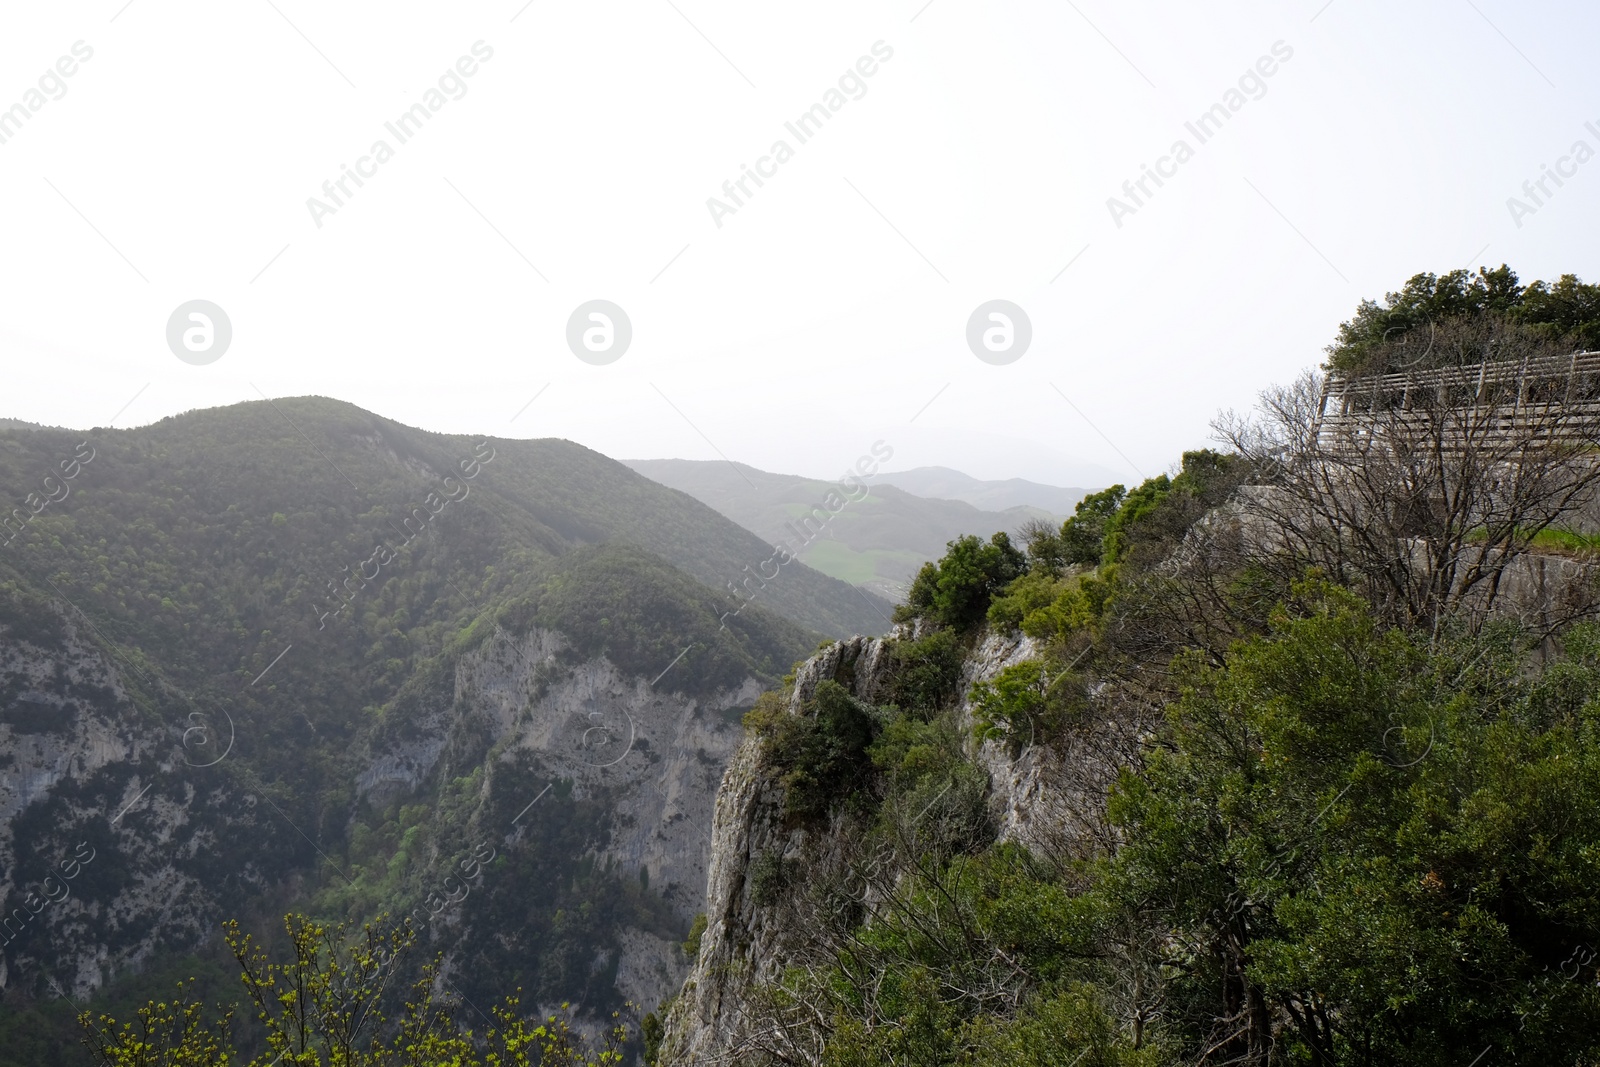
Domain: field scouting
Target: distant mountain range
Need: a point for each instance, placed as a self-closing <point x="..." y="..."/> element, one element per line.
<point x="878" y="541"/>
<point x="942" y="483"/>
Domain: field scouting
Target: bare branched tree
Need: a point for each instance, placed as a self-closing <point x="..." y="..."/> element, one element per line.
<point x="1426" y="488"/>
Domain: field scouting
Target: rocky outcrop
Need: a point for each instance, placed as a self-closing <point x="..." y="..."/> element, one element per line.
<point x="1024" y="798"/>
<point x="745" y="945"/>
<point x="742" y="945"/>
<point x="67" y="716"/>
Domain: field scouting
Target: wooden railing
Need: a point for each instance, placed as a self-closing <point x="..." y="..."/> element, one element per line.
<point x="1546" y="402"/>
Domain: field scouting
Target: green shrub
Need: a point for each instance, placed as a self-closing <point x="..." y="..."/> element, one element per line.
<point x="820" y="753"/>
<point x="1023" y="706"/>
<point x="1083" y="535"/>
<point x="1075" y="1020"/>
<point x="1079" y="604"/>
<point x="911" y="750"/>
<point x="1139" y="504"/>
<point x="1032" y="592"/>
<point x="947" y="814"/>
<point x="697" y="930"/>
<point x="828" y="752"/>
<point x="924" y="673"/>
<point x="956" y="591"/>
<point x="653" y="1030"/>
<point x="767" y="878"/>
<point x="1154" y="517"/>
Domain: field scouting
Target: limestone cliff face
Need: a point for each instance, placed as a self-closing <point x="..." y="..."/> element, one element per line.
<point x="65" y="714"/>
<point x="1025" y="795"/>
<point x="109" y="820"/>
<point x="117" y="841"/>
<point x="741" y="944"/>
<point x="744" y="944"/>
<point x="661" y="752"/>
<point x="658" y="754"/>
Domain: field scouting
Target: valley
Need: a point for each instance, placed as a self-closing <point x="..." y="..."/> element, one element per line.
<point x="893" y="524"/>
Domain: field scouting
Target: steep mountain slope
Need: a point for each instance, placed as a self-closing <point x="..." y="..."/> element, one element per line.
<point x="295" y="655"/>
<point x="877" y="539"/>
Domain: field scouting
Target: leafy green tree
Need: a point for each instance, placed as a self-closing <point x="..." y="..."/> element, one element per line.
<point x="956" y="591"/>
<point x="1137" y="507"/>
<point x="1397" y="330"/>
<point x="1024" y="705"/>
<point x="1083" y="535"/>
<point x="1566" y="308"/>
<point x="323" y="1007"/>
<point x="924" y="672"/>
<point x="1391" y="849"/>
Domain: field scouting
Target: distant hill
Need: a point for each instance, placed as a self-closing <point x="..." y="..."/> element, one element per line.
<point x="878" y="542"/>
<point x="299" y="484"/>
<point x="945" y="484"/>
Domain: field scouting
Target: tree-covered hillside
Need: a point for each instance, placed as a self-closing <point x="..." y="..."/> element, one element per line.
<point x="214" y="631"/>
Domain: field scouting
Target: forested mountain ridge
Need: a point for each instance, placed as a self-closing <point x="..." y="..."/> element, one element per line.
<point x="336" y="471"/>
<point x="259" y="658"/>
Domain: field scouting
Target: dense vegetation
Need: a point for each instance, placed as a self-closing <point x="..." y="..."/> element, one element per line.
<point x="1292" y="825"/>
<point x="1346" y="845"/>
<point x="191" y="553"/>
<point x="1565" y="312"/>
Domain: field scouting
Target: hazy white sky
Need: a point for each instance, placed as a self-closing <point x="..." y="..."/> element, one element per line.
<point x="575" y="163"/>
